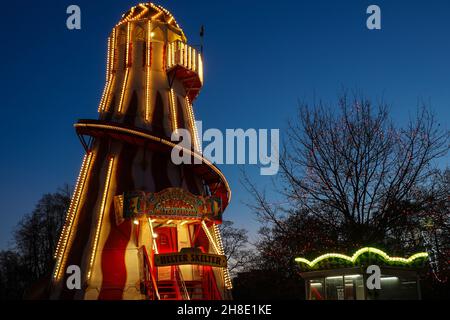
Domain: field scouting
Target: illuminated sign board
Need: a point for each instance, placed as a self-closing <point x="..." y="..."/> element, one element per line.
<point x="170" y="203"/>
<point x="190" y="256"/>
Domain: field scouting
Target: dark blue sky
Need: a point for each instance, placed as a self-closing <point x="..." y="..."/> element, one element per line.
<point x="260" y="58"/>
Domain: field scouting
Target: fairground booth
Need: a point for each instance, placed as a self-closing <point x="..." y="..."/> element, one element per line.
<point x="369" y="274"/>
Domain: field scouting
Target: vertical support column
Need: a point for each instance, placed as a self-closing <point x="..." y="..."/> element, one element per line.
<point x="200" y="67"/>
<point x="194" y="130"/>
<point x="216" y="241"/>
<point x="148" y="71"/>
<point x="173" y="109"/>
<point x="185" y="54"/>
<point x="194" y="59"/>
<point x="226" y="272"/>
<point x="169" y="55"/>
<point x="128" y="62"/>
<point x="110" y="72"/>
<point x="100" y="216"/>
<point x="210" y="238"/>
<point x="155" y="246"/>
<point x="165" y="56"/>
<point x="66" y="233"/>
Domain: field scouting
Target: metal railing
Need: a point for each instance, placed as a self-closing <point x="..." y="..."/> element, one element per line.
<point x="180" y="54"/>
<point x="150" y="283"/>
<point x="181" y="284"/>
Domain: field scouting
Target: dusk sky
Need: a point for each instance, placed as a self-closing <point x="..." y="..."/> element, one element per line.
<point x="260" y="59"/>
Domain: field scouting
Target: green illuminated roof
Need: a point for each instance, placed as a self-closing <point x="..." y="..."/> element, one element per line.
<point x="364" y="256"/>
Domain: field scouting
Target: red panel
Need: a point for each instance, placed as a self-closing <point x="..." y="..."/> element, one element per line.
<point x="113" y="260"/>
<point x="167" y="239"/>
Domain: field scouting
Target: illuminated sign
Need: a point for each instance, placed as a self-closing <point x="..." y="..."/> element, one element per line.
<point x="170" y="203"/>
<point x="190" y="256"/>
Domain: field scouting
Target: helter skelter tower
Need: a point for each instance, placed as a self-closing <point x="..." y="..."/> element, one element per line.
<point x="139" y="226"/>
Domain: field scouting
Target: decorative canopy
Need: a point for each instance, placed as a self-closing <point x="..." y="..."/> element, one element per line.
<point x="364" y="256"/>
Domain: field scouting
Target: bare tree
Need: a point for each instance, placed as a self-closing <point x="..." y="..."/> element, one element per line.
<point x="435" y="226"/>
<point x="352" y="167"/>
<point x="37" y="233"/>
<point x="35" y="240"/>
<point x="235" y="242"/>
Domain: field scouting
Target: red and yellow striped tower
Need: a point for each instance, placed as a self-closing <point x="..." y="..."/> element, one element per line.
<point x="139" y="226"/>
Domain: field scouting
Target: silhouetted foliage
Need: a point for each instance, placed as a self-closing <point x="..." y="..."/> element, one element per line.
<point x="235" y="243"/>
<point x="35" y="239"/>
